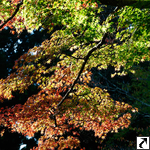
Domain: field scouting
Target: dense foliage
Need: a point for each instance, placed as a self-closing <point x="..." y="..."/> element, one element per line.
<point x="72" y="98"/>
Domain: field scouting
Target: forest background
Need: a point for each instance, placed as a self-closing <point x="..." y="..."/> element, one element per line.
<point x="81" y="81"/>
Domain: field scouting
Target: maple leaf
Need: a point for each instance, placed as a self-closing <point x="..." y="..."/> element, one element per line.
<point x="83" y="36"/>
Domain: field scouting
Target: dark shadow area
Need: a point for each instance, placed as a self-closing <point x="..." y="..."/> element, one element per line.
<point x="126" y="138"/>
<point x="30" y="143"/>
<point x="102" y="78"/>
<point x="12" y="46"/>
<point x="20" y="98"/>
<point x="125" y="89"/>
<point x="12" y="141"/>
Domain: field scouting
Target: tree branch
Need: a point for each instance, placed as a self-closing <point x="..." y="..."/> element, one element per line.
<point x="100" y="43"/>
<point x="17" y="9"/>
<point x="82" y="67"/>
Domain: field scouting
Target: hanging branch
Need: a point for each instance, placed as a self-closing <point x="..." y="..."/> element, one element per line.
<point x="17" y="9"/>
<point x="82" y="67"/>
<point x="100" y="43"/>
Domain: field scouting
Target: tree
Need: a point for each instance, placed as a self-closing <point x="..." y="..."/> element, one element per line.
<point x="12" y="47"/>
<point x="84" y="34"/>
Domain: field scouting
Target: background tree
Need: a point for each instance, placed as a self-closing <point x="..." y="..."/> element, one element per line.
<point x="90" y="36"/>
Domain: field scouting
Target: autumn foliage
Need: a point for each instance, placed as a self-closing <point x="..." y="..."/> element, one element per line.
<point x="61" y="69"/>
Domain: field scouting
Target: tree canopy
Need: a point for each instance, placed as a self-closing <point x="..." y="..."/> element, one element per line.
<point x="86" y="35"/>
